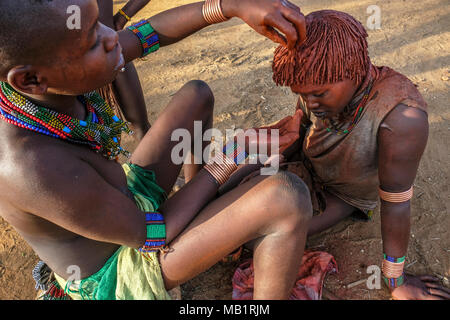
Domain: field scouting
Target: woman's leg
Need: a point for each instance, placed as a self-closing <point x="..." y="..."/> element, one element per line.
<point x="130" y="97"/>
<point x="272" y="210"/>
<point x="105" y="11"/>
<point x="194" y="102"/>
<point x="335" y="211"/>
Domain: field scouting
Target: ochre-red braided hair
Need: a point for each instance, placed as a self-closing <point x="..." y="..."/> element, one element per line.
<point x="335" y="49"/>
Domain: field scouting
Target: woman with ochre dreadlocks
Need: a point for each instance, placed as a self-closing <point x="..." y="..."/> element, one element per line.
<point x="363" y="131"/>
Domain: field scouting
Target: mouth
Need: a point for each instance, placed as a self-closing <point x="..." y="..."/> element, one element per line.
<point x="319" y="114"/>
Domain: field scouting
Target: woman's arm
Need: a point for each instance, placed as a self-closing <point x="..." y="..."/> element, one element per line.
<point x="129" y="9"/>
<point x="402" y="140"/>
<point x="264" y="16"/>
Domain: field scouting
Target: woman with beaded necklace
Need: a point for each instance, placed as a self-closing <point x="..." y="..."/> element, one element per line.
<point x="63" y="191"/>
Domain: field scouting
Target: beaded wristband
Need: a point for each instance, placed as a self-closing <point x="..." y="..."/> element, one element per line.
<point x="156" y="232"/>
<point x="147" y="35"/>
<point x="394" y="260"/>
<point x="393" y="283"/>
<point x="123" y="14"/>
<point x="234" y="151"/>
<point x="393" y="270"/>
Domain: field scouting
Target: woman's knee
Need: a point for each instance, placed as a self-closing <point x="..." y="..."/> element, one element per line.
<point x="292" y="197"/>
<point x="201" y="92"/>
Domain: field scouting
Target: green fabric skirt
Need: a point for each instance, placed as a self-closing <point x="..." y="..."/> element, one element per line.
<point x="127" y="275"/>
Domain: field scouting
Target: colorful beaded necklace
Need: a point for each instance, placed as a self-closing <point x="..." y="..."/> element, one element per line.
<point x="101" y="130"/>
<point x="356" y="115"/>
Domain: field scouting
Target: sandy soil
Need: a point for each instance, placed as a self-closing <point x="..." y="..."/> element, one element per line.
<point x="236" y="62"/>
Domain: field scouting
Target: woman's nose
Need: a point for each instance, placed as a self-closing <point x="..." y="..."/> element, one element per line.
<point x="311" y="102"/>
<point x="110" y="38"/>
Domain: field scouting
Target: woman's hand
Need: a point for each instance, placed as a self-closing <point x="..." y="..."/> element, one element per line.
<point x="421" y="288"/>
<point x="119" y="21"/>
<point x="131" y="8"/>
<point x="288" y="134"/>
<point x="289" y="130"/>
<point x="268" y="16"/>
<point x="258" y="139"/>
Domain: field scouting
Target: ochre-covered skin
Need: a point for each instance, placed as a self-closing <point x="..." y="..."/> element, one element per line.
<point x="347" y="165"/>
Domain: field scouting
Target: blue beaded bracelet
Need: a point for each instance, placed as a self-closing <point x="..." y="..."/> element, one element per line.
<point x="147" y="35"/>
<point x="234" y="151"/>
<point x="156" y="232"/>
<point x="392" y="259"/>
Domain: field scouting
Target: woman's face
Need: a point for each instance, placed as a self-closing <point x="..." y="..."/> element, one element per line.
<point x="328" y="100"/>
<point x="88" y="58"/>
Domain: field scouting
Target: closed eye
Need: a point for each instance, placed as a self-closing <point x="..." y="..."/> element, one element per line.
<point x="97" y="38"/>
<point x="320" y="95"/>
<point x="97" y="42"/>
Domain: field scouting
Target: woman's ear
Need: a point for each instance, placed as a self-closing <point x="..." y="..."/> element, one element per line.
<point x="28" y="80"/>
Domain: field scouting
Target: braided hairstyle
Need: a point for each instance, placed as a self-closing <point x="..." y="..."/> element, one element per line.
<point x="335" y="49"/>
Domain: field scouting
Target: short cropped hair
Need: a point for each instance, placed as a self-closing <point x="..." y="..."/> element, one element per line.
<point x="28" y="32"/>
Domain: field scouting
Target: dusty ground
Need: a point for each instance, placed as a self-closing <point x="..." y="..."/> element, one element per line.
<point x="235" y="61"/>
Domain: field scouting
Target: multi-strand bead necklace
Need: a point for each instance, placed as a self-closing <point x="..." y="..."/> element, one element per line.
<point x="331" y="127"/>
<point x="101" y="130"/>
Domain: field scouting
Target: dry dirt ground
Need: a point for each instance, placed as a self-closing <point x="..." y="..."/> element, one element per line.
<point x="235" y="61"/>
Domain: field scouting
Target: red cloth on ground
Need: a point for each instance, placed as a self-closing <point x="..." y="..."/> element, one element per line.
<point x="308" y="286"/>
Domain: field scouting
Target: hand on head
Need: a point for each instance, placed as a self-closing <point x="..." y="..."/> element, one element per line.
<point x="278" y="20"/>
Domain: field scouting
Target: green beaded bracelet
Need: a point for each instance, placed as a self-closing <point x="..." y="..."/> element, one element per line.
<point x="156" y="232"/>
<point x="393" y="283"/>
<point x="147" y="35"/>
